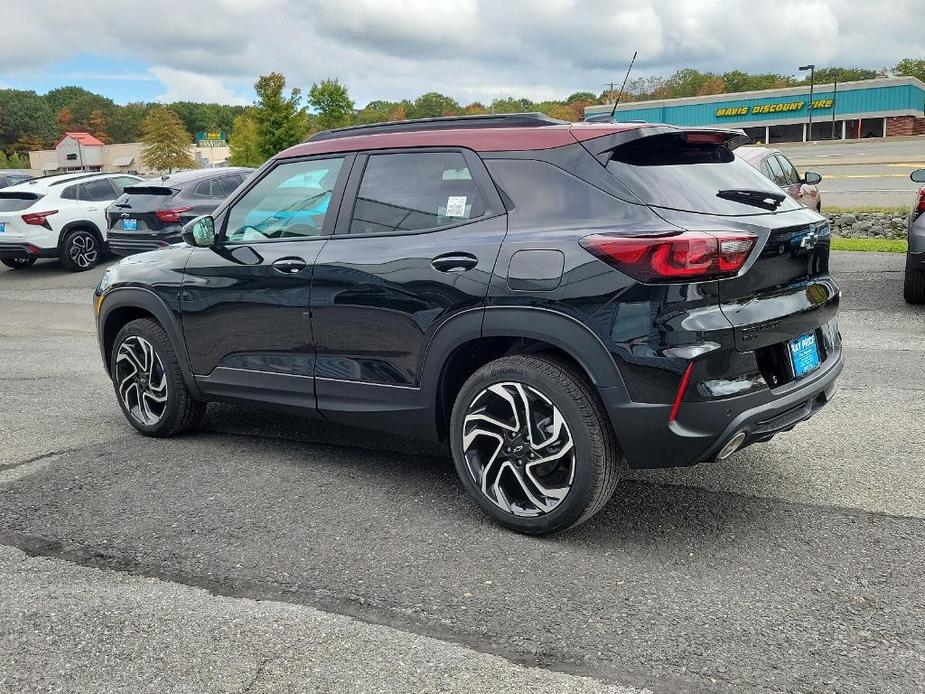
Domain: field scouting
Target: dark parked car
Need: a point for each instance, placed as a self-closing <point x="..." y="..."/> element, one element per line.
<point x="151" y="214"/>
<point x="914" y="284"/>
<point x="556" y="301"/>
<point x="10" y="177"/>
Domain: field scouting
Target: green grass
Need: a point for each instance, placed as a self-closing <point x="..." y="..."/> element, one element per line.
<point x="878" y="245"/>
<point x="901" y="211"/>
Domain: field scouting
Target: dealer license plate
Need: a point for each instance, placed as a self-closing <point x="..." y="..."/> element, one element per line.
<point x="130" y="225"/>
<point x="804" y="354"/>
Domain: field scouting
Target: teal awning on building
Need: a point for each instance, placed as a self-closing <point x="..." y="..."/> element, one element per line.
<point x="897" y="96"/>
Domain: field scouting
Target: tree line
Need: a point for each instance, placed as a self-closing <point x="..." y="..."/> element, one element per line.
<point x="280" y="118"/>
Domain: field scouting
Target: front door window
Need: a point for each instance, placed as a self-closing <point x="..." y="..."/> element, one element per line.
<point x="291" y="201"/>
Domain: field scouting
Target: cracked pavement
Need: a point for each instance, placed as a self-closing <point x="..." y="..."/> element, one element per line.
<point x="283" y="554"/>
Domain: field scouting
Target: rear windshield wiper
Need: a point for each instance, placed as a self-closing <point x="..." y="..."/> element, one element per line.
<point x="757" y="198"/>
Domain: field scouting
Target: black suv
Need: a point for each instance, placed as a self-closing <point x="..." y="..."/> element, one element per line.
<point x="556" y="301"/>
<point x="151" y="214"/>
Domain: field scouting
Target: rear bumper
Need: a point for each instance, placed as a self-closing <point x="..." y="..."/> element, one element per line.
<point x="129" y="243"/>
<point x="916" y="261"/>
<point x="648" y="440"/>
<point x="19" y="250"/>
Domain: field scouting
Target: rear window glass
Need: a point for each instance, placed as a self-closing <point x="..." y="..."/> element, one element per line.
<point x="667" y="171"/>
<point x="14" y="202"/>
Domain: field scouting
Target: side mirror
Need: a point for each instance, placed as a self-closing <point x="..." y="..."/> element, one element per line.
<point x="918" y="175"/>
<point x="812" y="178"/>
<point x="200" y="232"/>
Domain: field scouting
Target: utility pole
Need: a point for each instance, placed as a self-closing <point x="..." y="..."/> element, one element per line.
<point x="611" y="90"/>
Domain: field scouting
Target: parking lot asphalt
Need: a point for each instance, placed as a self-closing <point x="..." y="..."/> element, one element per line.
<point x="267" y="552"/>
<point x="858" y="173"/>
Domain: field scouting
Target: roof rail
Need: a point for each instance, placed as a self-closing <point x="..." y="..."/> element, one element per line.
<point x="75" y="176"/>
<point x="499" y="120"/>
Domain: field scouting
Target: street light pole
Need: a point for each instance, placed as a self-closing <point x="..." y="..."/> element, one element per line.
<point x="812" y="80"/>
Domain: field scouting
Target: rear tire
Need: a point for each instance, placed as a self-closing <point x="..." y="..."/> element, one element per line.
<point x="532" y="444"/>
<point x="19" y="263"/>
<point x="80" y="250"/>
<point x="149" y="383"/>
<point x="914" y="284"/>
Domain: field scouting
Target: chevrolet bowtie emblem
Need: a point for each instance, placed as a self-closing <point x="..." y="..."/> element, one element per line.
<point x="809" y="241"/>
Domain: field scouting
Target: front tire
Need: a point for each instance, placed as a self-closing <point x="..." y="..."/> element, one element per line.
<point x="19" y="263"/>
<point x="80" y="250"/>
<point x="148" y="381"/>
<point x="532" y="444"/>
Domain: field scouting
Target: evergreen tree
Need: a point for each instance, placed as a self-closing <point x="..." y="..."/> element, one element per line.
<point x="165" y="143"/>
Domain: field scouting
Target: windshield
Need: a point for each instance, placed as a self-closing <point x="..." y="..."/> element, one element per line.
<point x="667" y="171"/>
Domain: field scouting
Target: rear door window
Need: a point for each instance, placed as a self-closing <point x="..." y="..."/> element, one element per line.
<point x="97" y="191"/>
<point x="415" y="191"/>
<point x="790" y="173"/>
<point x="226" y="185"/>
<point x="777" y="174"/>
<point x="668" y="171"/>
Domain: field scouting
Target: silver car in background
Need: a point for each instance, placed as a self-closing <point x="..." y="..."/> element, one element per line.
<point x="914" y="284"/>
<point x="776" y="166"/>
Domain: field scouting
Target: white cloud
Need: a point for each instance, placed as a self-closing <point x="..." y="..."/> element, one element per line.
<point x="469" y="49"/>
<point x="191" y="86"/>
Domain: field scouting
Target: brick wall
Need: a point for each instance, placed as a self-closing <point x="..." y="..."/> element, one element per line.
<point x="905" y="125"/>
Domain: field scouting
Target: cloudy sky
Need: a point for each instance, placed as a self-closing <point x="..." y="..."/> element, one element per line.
<point x="212" y="50"/>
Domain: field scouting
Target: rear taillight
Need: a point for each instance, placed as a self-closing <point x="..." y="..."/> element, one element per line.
<point x="920" y="208"/>
<point x="684" y="256"/>
<point x="39" y="218"/>
<point x="171" y="215"/>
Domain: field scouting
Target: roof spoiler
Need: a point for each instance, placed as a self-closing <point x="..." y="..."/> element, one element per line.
<point x="601" y="147"/>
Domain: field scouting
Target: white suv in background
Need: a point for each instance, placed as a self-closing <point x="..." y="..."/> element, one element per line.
<point x="60" y="216"/>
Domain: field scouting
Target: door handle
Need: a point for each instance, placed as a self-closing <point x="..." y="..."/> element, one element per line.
<point x="454" y="262"/>
<point x="289" y="266"/>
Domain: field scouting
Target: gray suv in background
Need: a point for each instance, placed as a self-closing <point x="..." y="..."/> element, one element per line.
<point x="914" y="285"/>
<point x="150" y="214"/>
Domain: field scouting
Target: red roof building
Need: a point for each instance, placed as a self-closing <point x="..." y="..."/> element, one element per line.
<point x="85" y="139"/>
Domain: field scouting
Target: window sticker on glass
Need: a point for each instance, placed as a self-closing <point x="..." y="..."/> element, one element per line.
<point x="456" y="206"/>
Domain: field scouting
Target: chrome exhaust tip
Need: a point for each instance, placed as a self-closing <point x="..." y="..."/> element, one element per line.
<point x="732" y="445"/>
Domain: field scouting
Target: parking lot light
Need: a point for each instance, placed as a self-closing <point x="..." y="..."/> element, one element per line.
<point x="812" y="78"/>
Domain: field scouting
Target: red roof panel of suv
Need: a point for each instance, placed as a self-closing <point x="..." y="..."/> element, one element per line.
<point x="478" y="139"/>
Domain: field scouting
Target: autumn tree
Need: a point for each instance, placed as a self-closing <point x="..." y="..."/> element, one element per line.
<point x="280" y="119"/>
<point x="244" y="142"/>
<point x="332" y="104"/>
<point x="714" y="84"/>
<point x="165" y="142"/>
<point x="97" y="123"/>
<point x="65" y="120"/>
